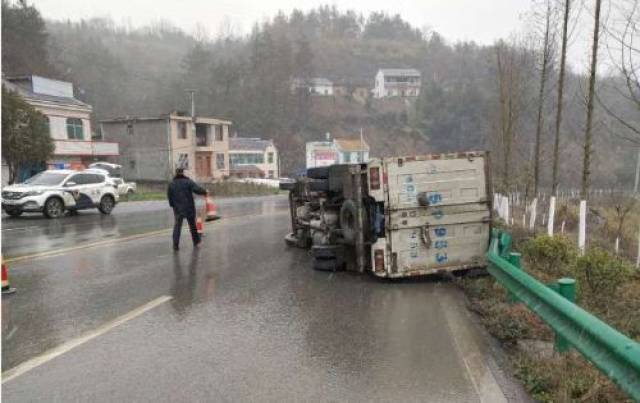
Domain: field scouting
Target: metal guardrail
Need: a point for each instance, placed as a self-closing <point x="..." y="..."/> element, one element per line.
<point x="614" y="354"/>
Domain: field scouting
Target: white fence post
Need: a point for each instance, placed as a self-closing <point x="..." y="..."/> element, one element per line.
<point x="617" y="247"/>
<point x="638" y="257"/>
<point x="562" y="227"/>
<point x="505" y="206"/>
<point x="582" y="229"/>
<point x="552" y="212"/>
<point x="532" y="218"/>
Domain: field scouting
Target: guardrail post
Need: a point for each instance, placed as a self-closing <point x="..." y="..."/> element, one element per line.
<point x="515" y="260"/>
<point x="567" y="288"/>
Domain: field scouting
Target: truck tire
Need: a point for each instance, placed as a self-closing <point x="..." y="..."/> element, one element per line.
<point x="327" y="251"/>
<point x="331" y="264"/>
<point x="319" y="185"/>
<point x="318" y="173"/>
<point x="348" y="217"/>
<point x="287" y="185"/>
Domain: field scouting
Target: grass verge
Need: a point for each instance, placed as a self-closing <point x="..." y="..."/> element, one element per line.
<point x="222" y="189"/>
<point x="608" y="287"/>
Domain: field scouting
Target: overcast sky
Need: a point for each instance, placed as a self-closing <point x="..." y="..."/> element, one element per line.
<point x="482" y="21"/>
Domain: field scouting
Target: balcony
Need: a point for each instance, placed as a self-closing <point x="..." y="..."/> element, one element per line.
<point x="85" y="148"/>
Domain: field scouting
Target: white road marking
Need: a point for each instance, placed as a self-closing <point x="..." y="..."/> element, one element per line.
<point x="73" y="343"/>
<point x="470" y="352"/>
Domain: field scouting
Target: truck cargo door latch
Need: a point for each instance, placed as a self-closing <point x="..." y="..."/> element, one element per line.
<point x="426" y="238"/>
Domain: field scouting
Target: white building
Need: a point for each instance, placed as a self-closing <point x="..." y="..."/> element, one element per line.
<point x="69" y="122"/>
<point x="315" y="86"/>
<point x="397" y="83"/>
<point x="338" y="151"/>
<point x="253" y="158"/>
<point x="321" y="154"/>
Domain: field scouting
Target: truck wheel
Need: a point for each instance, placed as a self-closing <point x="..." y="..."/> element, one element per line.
<point x="318" y="173"/>
<point x="348" y="217"/>
<point x="53" y="208"/>
<point x="106" y="204"/>
<point x="327" y="251"/>
<point x="331" y="264"/>
<point x="319" y="185"/>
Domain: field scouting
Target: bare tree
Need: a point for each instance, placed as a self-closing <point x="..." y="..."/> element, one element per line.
<point x="586" y="167"/>
<point x="510" y="62"/>
<point x="547" y="56"/>
<point x="563" y="59"/>
<point x="625" y="55"/>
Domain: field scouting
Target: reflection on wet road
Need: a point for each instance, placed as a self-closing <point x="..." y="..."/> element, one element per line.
<point x="248" y="321"/>
<point x="32" y="233"/>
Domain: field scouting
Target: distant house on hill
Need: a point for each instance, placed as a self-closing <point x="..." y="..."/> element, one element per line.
<point x="253" y="158"/>
<point x="354" y="88"/>
<point x="314" y="86"/>
<point x="336" y="151"/>
<point x="397" y="83"/>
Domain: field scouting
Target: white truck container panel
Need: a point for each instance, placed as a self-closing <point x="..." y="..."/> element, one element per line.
<point x="451" y="231"/>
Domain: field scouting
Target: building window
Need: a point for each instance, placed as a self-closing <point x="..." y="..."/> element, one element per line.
<point x="271" y="175"/>
<point x="132" y="164"/>
<point x="270" y="158"/>
<point x="74" y="129"/>
<point x="220" y="161"/>
<point x="183" y="161"/>
<point x="347" y="157"/>
<point x="217" y="129"/>
<point x="245" y="159"/>
<point x="130" y="128"/>
<point x="182" y="130"/>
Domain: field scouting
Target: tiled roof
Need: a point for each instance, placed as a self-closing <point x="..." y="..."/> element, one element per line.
<point x="400" y="72"/>
<point x="22" y="86"/>
<point x="244" y="143"/>
<point x="351" y="145"/>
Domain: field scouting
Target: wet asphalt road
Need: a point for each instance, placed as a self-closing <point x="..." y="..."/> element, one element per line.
<point x="243" y="318"/>
<point x="32" y="233"/>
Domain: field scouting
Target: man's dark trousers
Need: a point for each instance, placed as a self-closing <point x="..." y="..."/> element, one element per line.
<point x="177" y="228"/>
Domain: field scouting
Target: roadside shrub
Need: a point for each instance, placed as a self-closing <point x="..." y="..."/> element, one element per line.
<point x="553" y="256"/>
<point x="599" y="274"/>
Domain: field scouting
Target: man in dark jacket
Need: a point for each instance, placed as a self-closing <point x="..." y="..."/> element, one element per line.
<point x="180" y="195"/>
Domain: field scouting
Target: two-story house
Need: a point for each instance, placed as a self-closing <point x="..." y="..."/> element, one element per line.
<point x="153" y="147"/>
<point x="253" y="158"/>
<point x="397" y="83"/>
<point x="336" y="151"/>
<point x="69" y="121"/>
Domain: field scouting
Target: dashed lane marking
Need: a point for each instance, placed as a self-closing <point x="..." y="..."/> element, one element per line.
<point x="78" y="341"/>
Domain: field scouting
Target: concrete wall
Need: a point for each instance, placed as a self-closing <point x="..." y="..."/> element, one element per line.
<point x="144" y="154"/>
<point x="58" y="121"/>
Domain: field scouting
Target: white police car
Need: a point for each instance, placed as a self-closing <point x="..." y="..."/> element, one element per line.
<point x="53" y="192"/>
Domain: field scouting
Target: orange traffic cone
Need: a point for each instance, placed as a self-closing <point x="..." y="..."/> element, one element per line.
<point x="212" y="212"/>
<point x="6" y="287"/>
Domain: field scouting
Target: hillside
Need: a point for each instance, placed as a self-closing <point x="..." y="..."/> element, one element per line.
<point x="247" y="79"/>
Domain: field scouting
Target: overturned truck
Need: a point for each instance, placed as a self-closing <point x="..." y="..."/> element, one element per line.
<point x="394" y="217"/>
